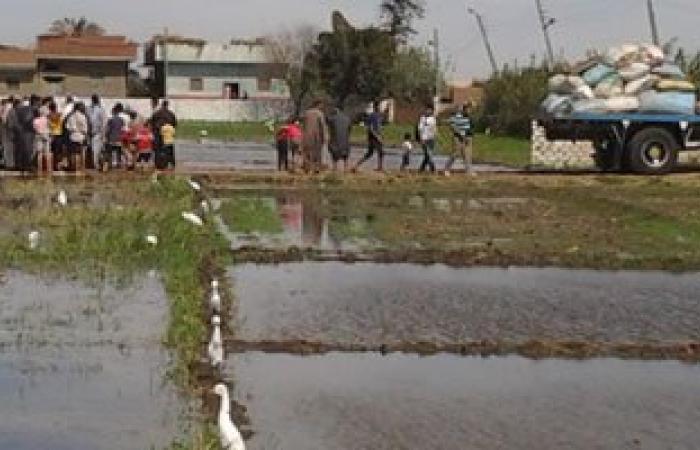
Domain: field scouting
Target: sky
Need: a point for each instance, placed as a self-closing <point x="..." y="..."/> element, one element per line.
<point x="512" y="25"/>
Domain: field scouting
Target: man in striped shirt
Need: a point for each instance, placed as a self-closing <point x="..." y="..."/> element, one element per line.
<point x="461" y="126"/>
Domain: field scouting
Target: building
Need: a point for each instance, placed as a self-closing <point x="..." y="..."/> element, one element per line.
<point x="197" y="69"/>
<point x="61" y="65"/>
<point x="17" y="71"/>
<point x="462" y="92"/>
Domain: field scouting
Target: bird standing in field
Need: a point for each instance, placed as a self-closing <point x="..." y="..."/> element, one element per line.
<point x="62" y="198"/>
<point x="193" y="218"/>
<point x="216" y="345"/>
<point x="194" y="185"/>
<point x="231" y="438"/>
<point x="215" y="296"/>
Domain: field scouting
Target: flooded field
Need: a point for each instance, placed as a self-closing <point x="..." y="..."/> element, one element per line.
<point x="357" y="401"/>
<point x="373" y="304"/>
<point x="362" y="221"/>
<point x="83" y="367"/>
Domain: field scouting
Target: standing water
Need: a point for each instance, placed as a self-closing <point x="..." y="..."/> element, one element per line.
<point x="83" y="367"/>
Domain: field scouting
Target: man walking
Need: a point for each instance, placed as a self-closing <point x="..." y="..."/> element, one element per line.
<point x="339" y="125"/>
<point x="461" y="126"/>
<point x="315" y="137"/>
<point x="98" y="120"/>
<point x="375" y="141"/>
<point x="427" y="129"/>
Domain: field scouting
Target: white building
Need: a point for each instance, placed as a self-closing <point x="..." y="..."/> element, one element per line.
<point x="194" y="68"/>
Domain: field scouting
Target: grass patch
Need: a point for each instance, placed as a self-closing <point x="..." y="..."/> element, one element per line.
<point x="249" y="215"/>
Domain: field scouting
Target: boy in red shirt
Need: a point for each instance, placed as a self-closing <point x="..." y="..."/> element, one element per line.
<point x="288" y="140"/>
<point x="143" y="136"/>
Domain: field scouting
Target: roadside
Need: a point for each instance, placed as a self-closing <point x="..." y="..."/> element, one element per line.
<point x="509" y="151"/>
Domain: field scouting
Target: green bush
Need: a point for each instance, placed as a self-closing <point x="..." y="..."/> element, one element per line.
<point x="511" y="98"/>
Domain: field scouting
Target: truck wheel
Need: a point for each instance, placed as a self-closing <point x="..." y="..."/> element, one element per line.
<point x="652" y="151"/>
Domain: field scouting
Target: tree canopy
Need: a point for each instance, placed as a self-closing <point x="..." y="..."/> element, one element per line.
<point x="76" y="27"/>
<point x="398" y="16"/>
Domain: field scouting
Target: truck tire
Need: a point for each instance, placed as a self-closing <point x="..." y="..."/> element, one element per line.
<point x="652" y="151"/>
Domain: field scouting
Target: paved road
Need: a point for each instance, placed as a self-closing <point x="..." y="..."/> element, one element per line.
<point x="250" y="156"/>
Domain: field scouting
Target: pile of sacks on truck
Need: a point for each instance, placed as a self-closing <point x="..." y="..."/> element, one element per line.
<point x="630" y="78"/>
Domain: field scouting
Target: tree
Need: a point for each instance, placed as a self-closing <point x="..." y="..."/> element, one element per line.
<point x="511" y="97"/>
<point x="413" y="76"/>
<point x="75" y="27"/>
<point x="689" y="65"/>
<point x="289" y="53"/>
<point x="354" y="63"/>
<point x="398" y="17"/>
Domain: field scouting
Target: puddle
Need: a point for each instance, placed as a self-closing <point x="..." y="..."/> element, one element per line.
<point x="352" y="401"/>
<point x="373" y="304"/>
<point x="83" y="367"/>
<point x="304" y="225"/>
<point x="335" y="221"/>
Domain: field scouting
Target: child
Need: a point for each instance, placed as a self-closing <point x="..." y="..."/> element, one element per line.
<point x="167" y="139"/>
<point x="42" y="146"/>
<point x="407" y="149"/>
<point x="144" y="145"/>
<point x="288" y="140"/>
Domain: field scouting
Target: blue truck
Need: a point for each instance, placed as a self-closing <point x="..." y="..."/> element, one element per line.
<point x="629" y="142"/>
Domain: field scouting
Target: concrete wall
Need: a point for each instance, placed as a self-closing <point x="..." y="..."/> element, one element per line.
<point x="85" y="77"/>
<point x="26" y="79"/>
<point x="210" y="52"/>
<point x="559" y="154"/>
<point x="210" y="110"/>
<point x="215" y="76"/>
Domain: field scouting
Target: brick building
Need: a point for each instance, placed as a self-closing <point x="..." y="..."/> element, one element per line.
<point x="61" y="65"/>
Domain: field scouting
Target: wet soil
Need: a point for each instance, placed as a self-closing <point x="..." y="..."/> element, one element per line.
<point x="83" y="367"/>
<point x="371" y="305"/>
<point x="343" y="401"/>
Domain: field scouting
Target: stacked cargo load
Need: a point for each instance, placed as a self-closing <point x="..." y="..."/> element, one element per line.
<point x="629" y="78"/>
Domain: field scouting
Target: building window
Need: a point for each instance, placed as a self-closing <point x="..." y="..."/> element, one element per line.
<point x="264" y="84"/>
<point x="12" y="84"/>
<point x="196" y="84"/>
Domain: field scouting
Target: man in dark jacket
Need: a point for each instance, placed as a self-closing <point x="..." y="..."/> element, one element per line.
<point x="339" y="126"/>
<point x="161" y="117"/>
<point x="24" y="133"/>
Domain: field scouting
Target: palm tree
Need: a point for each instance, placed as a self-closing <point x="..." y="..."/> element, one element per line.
<point x="75" y="27"/>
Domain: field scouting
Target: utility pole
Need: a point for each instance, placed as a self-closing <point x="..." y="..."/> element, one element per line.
<point x="165" y="63"/>
<point x="436" y="54"/>
<point x="485" y="36"/>
<point x="546" y="22"/>
<point x="652" y="21"/>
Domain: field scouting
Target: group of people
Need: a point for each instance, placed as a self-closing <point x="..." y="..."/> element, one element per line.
<point x="36" y="134"/>
<point x="302" y="142"/>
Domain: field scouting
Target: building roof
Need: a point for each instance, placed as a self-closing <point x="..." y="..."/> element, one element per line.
<point x="92" y="48"/>
<point x="16" y="58"/>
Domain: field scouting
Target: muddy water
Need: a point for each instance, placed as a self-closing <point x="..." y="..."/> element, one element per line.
<point x="83" y="367"/>
<point x="371" y="304"/>
<point x="443" y="402"/>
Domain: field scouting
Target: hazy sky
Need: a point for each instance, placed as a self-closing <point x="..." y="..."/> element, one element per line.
<point x="512" y="24"/>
